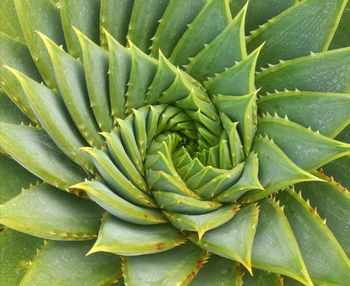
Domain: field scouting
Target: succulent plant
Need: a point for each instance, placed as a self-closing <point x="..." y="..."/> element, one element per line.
<point x="175" y="142"/>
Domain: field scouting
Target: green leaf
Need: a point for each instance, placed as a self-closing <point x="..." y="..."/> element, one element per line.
<point x="237" y="80"/>
<point x="173" y="24"/>
<point x="276" y="170"/>
<point x="183" y="204"/>
<point x="50" y="213"/>
<point x="117" y="206"/>
<point x="83" y="15"/>
<point x="305" y="108"/>
<point x="259" y="12"/>
<point x="263" y="278"/>
<point x="240" y="109"/>
<point x="275" y="248"/>
<point x="9" y="112"/>
<point x="174" y="267"/>
<point x="324" y="258"/>
<point x="227" y="48"/>
<point x="286" y="37"/>
<point x="218" y="271"/>
<point x="309" y="150"/>
<point x="125" y="131"/>
<point x="204" y="222"/>
<point x="144" y="22"/>
<point x="122" y="161"/>
<point x="42" y="99"/>
<point x="42" y="157"/>
<point x="248" y="181"/>
<point x="96" y="61"/>
<point x="123" y="238"/>
<point x="341" y="37"/>
<point x="164" y="77"/>
<point x="219" y="183"/>
<point x="120" y="184"/>
<point x="9" y="21"/>
<point x="70" y="77"/>
<point x="65" y="263"/>
<point x="114" y="18"/>
<point x="119" y="72"/>
<point x="143" y="70"/>
<point x="201" y="31"/>
<point x="42" y="16"/>
<point x="324" y="72"/>
<point x="17" y="252"/>
<point x="339" y="169"/>
<point x="13" y="178"/>
<point x="236" y="148"/>
<point x="332" y="202"/>
<point x="16" y="55"/>
<point x="234" y="239"/>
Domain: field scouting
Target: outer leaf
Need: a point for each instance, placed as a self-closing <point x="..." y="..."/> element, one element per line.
<point x="275" y="247"/>
<point x="144" y="21"/>
<point x="42" y="16"/>
<point x="308" y="149"/>
<point x="201" y="31"/>
<point x="227" y="48"/>
<point x="42" y="99"/>
<point x="13" y="178"/>
<point x="96" y="68"/>
<point x="320" y="250"/>
<point x="305" y="108"/>
<point x="173" y="24"/>
<point x="259" y="12"/>
<point x="123" y="238"/>
<point x="69" y="74"/>
<point x="234" y="239"/>
<point x="42" y="157"/>
<point x="65" y="263"/>
<point x="17" y="252"/>
<point x="325" y="72"/>
<point x="218" y="271"/>
<point x="50" y="213"/>
<point x="16" y="55"/>
<point x="119" y="73"/>
<point x="237" y="80"/>
<point x="263" y="278"/>
<point x="83" y="15"/>
<point x="9" y="112"/>
<point x="339" y="169"/>
<point x="114" y="17"/>
<point x="286" y="37"/>
<point x="276" y="171"/>
<point x="143" y="69"/>
<point x="119" y="207"/>
<point x="9" y="21"/>
<point x="332" y="202"/>
<point x="341" y="38"/>
<point x="175" y="267"/>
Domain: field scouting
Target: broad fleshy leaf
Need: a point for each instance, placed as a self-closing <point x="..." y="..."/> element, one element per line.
<point x="50" y="213"/>
<point x="123" y="238"/>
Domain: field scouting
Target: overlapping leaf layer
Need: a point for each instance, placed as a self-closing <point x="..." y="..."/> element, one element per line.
<point x="175" y="142"/>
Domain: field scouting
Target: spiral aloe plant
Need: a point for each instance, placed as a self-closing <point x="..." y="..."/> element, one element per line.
<point x="175" y="142"/>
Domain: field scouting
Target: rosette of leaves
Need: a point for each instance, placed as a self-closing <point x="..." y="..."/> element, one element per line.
<point x="175" y="142"/>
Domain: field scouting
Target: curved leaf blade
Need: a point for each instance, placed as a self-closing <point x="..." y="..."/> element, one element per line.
<point x="50" y="213"/>
<point x="123" y="238"/>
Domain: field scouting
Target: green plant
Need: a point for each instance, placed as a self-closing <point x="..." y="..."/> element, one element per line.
<point x="195" y="144"/>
